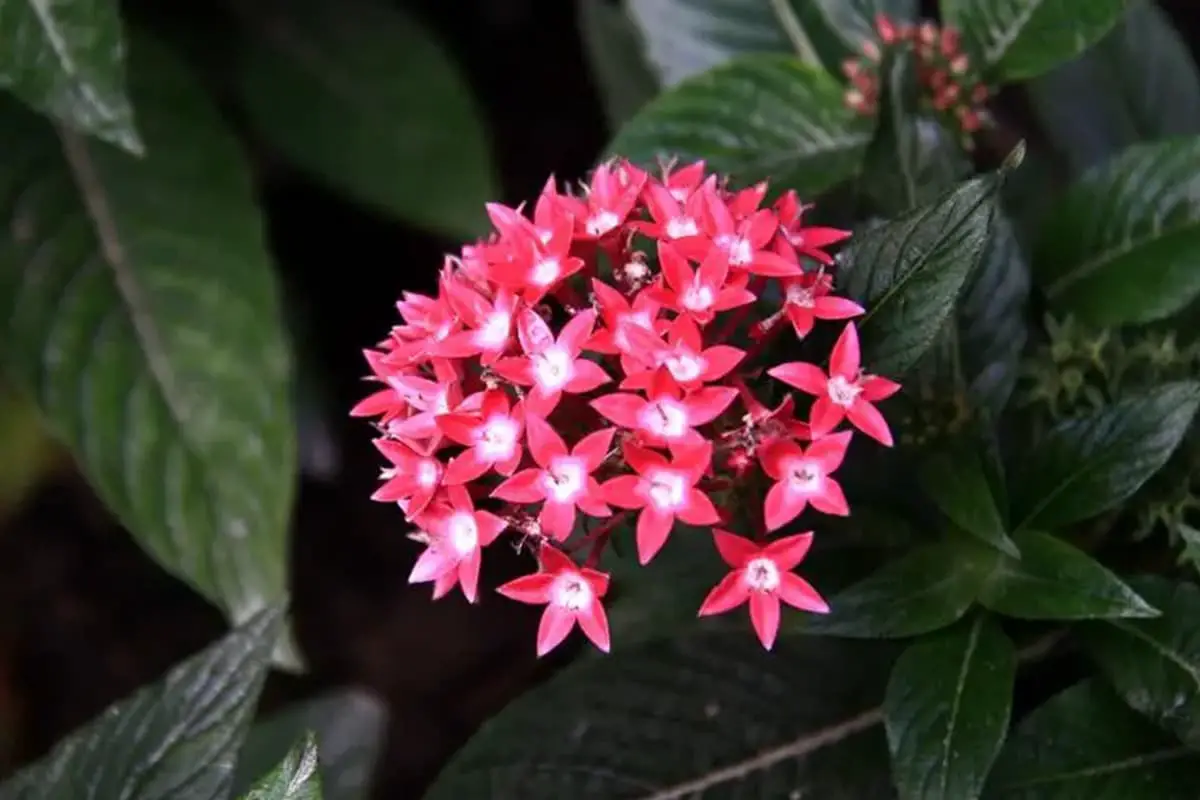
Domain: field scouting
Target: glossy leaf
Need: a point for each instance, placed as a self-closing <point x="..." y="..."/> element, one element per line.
<point x="946" y="710"/>
<point x="1086" y="465"/>
<point x="67" y="60"/>
<point x="925" y="590"/>
<point x="173" y="740"/>
<point x="295" y="778"/>
<point x="1018" y="39"/>
<point x="1084" y="744"/>
<point x="1117" y="248"/>
<point x="619" y="70"/>
<point x="758" y="117"/>
<point x="684" y="38"/>
<point x="138" y="304"/>
<point x="992" y="320"/>
<point x="957" y="483"/>
<point x="908" y="273"/>
<point x="363" y="97"/>
<point x="349" y="727"/>
<point x="677" y="718"/>
<point x="1054" y="580"/>
<point x="1154" y="664"/>
<point x="1151" y="91"/>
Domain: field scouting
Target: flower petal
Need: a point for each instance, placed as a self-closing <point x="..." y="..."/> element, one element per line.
<point x="727" y="595"/>
<point x="790" y="550"/>
<point x="594" y="624"/>
<point x="555" y="625"/>
<point x="653" y="528"/>
<point x="735" y="550"/>
<point x="799" y="593"/>
<point x="782" y="506"/>
<point x="524" y="487"/>
<point x="706" y="404"/>
<point x="544" y="443"/>
<point x="808" y="378"/>
<point x="846" y="358"/>
<point x="594" y="447"/>
<point x="587" y="375"/>
<point x="867" y="419"/>
<point x="699" y="509"/>
<point x="532" y="589"/>
<point x="764" y="616"/>
<point x="831" y="499"/>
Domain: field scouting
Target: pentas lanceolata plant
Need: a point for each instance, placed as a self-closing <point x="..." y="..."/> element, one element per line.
<point x="577" y="367"/>
<point x="949" y="86"/>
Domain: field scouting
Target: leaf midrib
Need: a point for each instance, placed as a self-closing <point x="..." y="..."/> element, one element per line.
<point x="963" y="670"/>
<point x="1004" y="42"/>
<point x="1106" y="257"/>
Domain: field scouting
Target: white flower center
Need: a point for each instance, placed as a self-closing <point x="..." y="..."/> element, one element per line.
<point x="428" y="472"/>
<point x="665" y="417"/>
<point x="698" y="297"/>
<point x="680" y="227"/>
<point x="545" y="272"/>
<point x="545" y="235"/>
<point x="553" y="368"/>
<point x="602" y="222"/>
<point x="497" y="438"/>
<point x="640" y="319"/>
<point x="463" y="533"/>
<point x="680" y="195"/>
<point x="667" y="490"/>
<point x="800" y="296"/>
<point x="684" y="366"/>
<point x="564" y="479"/>
<point x="842" y="392"/>
<point x="493" y="334"/>
<point x="636" y="271"/>
<point x="572" y="592"/>
<point x="761" y="575"/>
<point x="804" y="476"/>
<point x="739" y="249"/>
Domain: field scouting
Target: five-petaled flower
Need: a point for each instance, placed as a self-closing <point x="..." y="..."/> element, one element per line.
<point x="571" y="595"/>
<point x="607" y="349"/>
<point x="763" y="576"/>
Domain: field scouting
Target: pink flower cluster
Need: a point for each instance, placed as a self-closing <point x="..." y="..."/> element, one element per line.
<point x="948" y="84"/>
<point x="577" y="369"/>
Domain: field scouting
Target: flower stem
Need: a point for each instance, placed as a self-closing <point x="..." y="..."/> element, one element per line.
<point x="795" y="32"/>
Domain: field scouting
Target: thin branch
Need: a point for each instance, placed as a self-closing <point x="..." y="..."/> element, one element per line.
<point x="812" y="742"/>
<point x="795" y="32"/>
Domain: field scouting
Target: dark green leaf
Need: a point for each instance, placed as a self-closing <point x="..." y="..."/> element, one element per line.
<point x="754" y="118"/>
<point x="295" y="778"/>
<point x="912" y="159"/>
<point x="349" y="728"/>
<point x="67" y="60"/>
<point x="138" y="303"/>
<point x="366" y="99"/>
<point x="1154" y="664"/>
<point x="908" y="273"/>
<point x="1083" y="744"/>
<point x="1018" y="39"/>
<point x="1089" y="464"/>
<point x="1118" y="247"/>
<point x="710" y="715"/>
<point x="174" y="740"/>
<point x="958" y="484"/>
<point x="684" y="38"/>
<point x="992" y="320"/>
<point x="1056" y="581"/>
<point x="1151" y="91"/>
<point x="614" y="50"/>
<point x="928" y="589"/>
<point x="947" y="708"/>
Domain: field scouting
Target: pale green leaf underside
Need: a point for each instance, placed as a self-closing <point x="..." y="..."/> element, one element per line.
<point x="295" y="778"/>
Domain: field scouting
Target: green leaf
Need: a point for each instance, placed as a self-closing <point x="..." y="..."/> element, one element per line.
<point x="138" y="304"/>
<point x="912" y="159"/>
<point x="992" y="320"/>
<point x="696" y="715"/>
<point x="908" y="273"/>
<point x="363" y="97"/>
<point x="1083" y="744"/>
<point x="957" y="483"/>
<point x="1018" y="39"/>
<point x="1151" y="91"/>
<point x="174" y="740"/>
<point x="684" y="38"/>
<point x="1118" y="246"/>
<point x="614" y="51"/>
<point x="1056" y="581"/>
<point x="67" y="60"/>
<point x="946" y="710"/>
<point x="349" y="727"/>
<point x="755" y="118"/>
<point x="1088" y="464"/>
<point x="1154" y="664"/>
<point x="295" y="778"/>
<point x="928" y="589"/>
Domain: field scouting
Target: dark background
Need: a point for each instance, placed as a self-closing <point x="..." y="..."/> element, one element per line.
<point x="87" y="618"/>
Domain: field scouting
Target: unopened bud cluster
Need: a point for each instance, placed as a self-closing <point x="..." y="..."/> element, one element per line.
<point x="578" y="369"/>
<point x="949" y="87"/>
